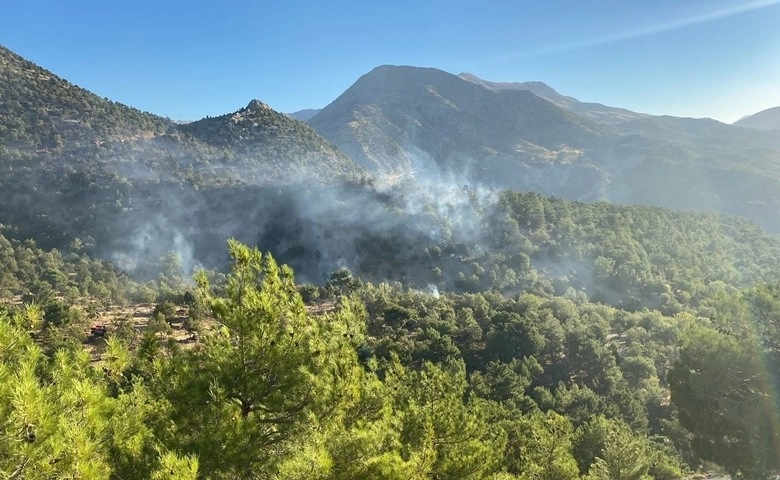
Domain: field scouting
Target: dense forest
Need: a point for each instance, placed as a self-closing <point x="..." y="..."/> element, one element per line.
<point x="375" y="381"/>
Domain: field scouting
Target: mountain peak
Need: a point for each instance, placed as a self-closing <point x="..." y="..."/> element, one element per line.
<point x="768" y="119"/>
<point x="261" y="134"/>
<point x="256" y="104"/>
<point x="415" y="119"/>
<point x="406" y="72"/>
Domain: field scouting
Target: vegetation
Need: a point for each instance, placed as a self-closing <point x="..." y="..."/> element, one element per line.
<point x="394" y="383"/>
<point x="258" y="134"/>
<point x="53" y="127"/>
<point x="444" y="333"/>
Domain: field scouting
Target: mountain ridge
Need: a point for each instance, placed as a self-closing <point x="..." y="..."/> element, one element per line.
<point x="423" y="124"/>
<point x="129" y="186"/>
<point x="276" y="140"/>
<point x="305" y="114"/>
<point x="60" y="111"/>
<point x="768" y="119"/>
<point x="592" y="111"/>
<point x="393" y="110"/>
<point x="49" y="119"/>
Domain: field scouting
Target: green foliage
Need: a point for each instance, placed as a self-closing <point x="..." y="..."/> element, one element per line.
<point x="173" y="467"/>
<point x="251" y="377"/>
<point x="166" y="309"/>
<point x="309" y="293"/>
<point x="341" y="282"/>
<point x="722" y="386"/>
<point x="270" y="377"/>
<point x="57" y="280"/>
<point x="59" y="418"/>
<point x="411" y="386"/>
<point x="514" y="374"/>
<point x="619" y="453"/>
<point x="451" y="434"/>
<point x="541" y="447"/>
<point x="589" y="360"/>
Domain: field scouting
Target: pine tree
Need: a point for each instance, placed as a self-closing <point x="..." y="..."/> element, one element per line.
<point x="61" y="417"/>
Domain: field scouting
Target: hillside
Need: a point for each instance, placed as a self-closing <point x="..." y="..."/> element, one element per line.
<point x="128" y="185"/>
<point x="43" y="111"/>
<point x="371" y="373"/>
<point x="425" y="122"/>
<point x="273" y="140"/>
<point x="50" y="124"/>
<point x="428" y="125"/>
<point x="595" y="112"/>
<point x="768" y="119"/>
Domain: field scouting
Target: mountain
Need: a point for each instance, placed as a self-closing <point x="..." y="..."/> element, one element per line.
<point x="43" y="111"/>
<point x="273" y="139"/>
<point x="768" y="119"/>
<point x="131" y="186"/>
<point x="62" y="126"/>
<point x="423" y="122"/>
<point x="428" y="125"/>
<point x="595" y="112"/>
<point x="305" y="114"/>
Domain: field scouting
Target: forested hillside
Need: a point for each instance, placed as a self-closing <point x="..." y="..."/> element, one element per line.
<point x="43" y="111"/>
<point x="408" y="386"/>
<point x="50" y="126"/>
<point x="126" y="185"/>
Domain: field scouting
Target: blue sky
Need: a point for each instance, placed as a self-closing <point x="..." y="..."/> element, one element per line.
<point x="186" y="60"/>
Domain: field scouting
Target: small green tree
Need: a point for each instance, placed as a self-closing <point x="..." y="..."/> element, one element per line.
<point x="617" y="452"/>
<point x="449" y="433"/>
<point x="721" y="385"/>
<point x="341" y="282"/>
<point x="256" y="383"/>
<point x="61" y="417"/>
<point x="541" y="447"/>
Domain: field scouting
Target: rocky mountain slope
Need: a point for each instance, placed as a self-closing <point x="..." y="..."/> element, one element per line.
<point x="59" y="125"/>
<point x="595" y="112"/>
<point x="284" y="146"/>
<point x="426" y="124"/>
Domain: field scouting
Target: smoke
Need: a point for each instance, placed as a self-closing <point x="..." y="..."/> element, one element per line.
<point x="185" y="251"/>
<point x="381" y="229"/>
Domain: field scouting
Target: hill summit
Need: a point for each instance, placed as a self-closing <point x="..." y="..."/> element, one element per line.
<point x="424" y="120"/>
<point x="768" y="119"/>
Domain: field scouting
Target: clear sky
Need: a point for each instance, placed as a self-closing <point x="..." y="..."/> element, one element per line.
<point x="189" y="59"/>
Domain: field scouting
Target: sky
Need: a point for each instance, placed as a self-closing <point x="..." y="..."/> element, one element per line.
<point x="189" y="59"/>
